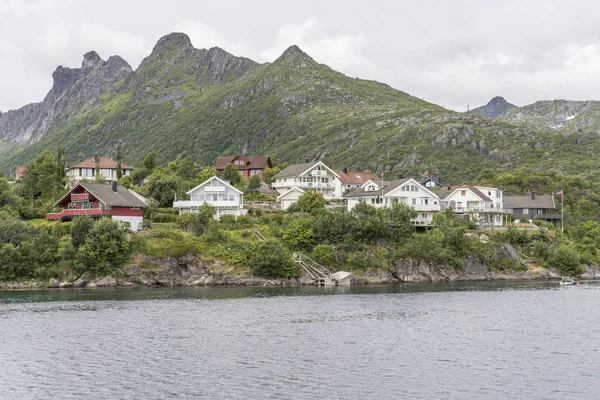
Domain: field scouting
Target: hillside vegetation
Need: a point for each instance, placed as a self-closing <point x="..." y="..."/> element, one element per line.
<point x="183" y="101"/>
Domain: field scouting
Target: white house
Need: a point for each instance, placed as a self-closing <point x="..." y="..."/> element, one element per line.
<point x="87" y="170"/>
<point x="290" y="197"/>
<point x="225" y="199"/>
<point x="351" y="180"/>
<point x="405" y="191"/>
<point x="484" y="204"/>
<point x="316" y="177"/>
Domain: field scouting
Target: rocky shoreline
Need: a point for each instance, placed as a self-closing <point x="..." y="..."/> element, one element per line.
<point x="191" y="270"/>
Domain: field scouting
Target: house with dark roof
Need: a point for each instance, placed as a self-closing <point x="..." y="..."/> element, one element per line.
<point x="96" y="200"/>
<point x="312" y="176"/>
<point x="247" y="165"/>
<point x="432" y="183"/>
<point x="404" y="191"/>
<point x="86" y="170"/>
<point x="542" y="207"/>
<point x="483" y="204"/>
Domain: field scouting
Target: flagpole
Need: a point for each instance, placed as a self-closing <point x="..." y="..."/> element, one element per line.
<point x="562" y="210"/>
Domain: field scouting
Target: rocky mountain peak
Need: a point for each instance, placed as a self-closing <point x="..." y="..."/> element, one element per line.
<point x="172" y="40"/>
<point x="91" y="59"/>
<point x="294" y="57"/>
<point x="494" y="108"/>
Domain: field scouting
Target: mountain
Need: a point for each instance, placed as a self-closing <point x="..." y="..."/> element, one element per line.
<point x="570" y="116"/>
<point x="494" y="108"/>
<point x="204" y="103"/>
<point x="72" y="90"/>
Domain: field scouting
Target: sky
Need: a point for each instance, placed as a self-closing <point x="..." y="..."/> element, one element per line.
<point x="455" y="53"/>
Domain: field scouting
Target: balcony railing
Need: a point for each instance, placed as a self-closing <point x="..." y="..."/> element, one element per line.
<point x="478" y="210"/>
<point x="217" y="203"/>
<point x="214" y="189"/>
<point x="70" y="213"/>
<point x="80" y="196"/>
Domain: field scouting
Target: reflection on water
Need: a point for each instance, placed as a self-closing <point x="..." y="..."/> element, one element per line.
<point x="465" y="340"/>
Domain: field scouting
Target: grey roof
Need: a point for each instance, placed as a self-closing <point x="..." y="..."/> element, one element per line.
<point x="544" y="202"/>
<point x="121" y="198"/>
<point x="387" y="187"/>
<point x="295" y="169"/>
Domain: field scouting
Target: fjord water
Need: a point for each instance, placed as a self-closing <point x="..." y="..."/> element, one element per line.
<point x="489" y="341"/>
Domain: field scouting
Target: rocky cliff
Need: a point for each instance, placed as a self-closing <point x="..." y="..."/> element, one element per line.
<point x="494" y="108"/>
<point x="72" y="90"/>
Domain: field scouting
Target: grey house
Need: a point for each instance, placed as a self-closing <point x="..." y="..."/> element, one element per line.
<point x="532" y="205"/>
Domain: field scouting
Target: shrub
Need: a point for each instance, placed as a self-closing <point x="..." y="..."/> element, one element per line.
<point x="271" y="259"/>
<point x="566" y="260"/>
<point x="298" y="234"/>
<point x="323" y="254"/>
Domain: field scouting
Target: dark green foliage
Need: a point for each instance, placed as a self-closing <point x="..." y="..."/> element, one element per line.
<point x="271" y="259"/>
<point x="253" y="183"/>
<point x="269" y="173"/>
<point x="197" y="223"/>
<point x="231" y="174"/>
<point x="566" y="260"/>
<point x="515" y="236"/>
<point x="163" y="188"/>
<point x="119" y="165"/>
<point x="105" y="250"/>
<point x="80" y="230"/>
<point x="298" y="235"/>
<point x="308" y="202"/>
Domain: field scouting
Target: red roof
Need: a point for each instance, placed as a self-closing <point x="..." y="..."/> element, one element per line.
<point x="252" y="162"/>
<point x="105" y="163"/>
<point x="356" y="178"/>
<point x="20" y="172"/>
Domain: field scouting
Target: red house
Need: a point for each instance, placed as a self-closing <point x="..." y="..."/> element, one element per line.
<point x="247" y="165"/>
<point x="101" y="200"/>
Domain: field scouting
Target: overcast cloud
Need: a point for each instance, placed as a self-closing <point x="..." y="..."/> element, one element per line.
<point x="451" y="52"/>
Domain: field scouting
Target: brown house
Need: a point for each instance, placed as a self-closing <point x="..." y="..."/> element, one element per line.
<point x="247" y="165"/>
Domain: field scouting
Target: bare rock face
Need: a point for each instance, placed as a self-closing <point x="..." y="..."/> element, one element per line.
<point x="72" y="89"/>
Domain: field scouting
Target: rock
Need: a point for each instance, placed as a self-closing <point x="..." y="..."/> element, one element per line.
<point x="64" y="285"/>
<point x="82" y="281"/>
<point x="53" y="284"/>
<point x="107" y="281"/>
<point x="484" y="238"/>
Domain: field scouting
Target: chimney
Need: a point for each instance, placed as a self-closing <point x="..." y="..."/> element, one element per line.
<point x="449" y="187"/>
<point x="306" y="160"/>
<point x="400" y="176"/>
<point x="114" y="186"/>
<point x="532" y="195"/>
<point x="345" y="170"/>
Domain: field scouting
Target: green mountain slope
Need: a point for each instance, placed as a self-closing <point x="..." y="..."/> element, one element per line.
<point x="185" y="101"/>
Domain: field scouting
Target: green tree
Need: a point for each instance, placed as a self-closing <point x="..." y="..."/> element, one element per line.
<point x="97" y="176"/>
<point x="298" y="234"/>
<point x="187" y="169"/>
<point x="268" y="175"/>
<point x="60" y="170"/>
<point x="231" y="174"/>
<point x="199" y="222"/>
<point x="205" y="174"/>
<point x="271" y="259"/>
<point x="162" y="188"/>
<point x="80" y="230"/>
<point x="253" y="183"/>
<point x="118" y="157"/>
<point x="105" y="250"/>
<point x="308" y="202"/>
<point x="149" y="163"/>
<point x="565" y="259"/>
<point x="39" y="180"/>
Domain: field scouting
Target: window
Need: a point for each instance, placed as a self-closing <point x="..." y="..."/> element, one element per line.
<point x="539" y="211"/>
<point x="424" y="216"/>
<point x="526" y="211"/>
<point x="107" y="173"/>
<point x="414" y="201"/>
<point x="254" y="172"/>
<point x="425" y="201"/>
<point x="463" y="192"/>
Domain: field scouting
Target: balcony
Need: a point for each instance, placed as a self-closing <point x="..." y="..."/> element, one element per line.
<point x="217" y="203"/>
<point x="67" y="214"/>
<point x="80" y="196"/>
<point x="214" y="189"/>
<point x="476" y="210"/>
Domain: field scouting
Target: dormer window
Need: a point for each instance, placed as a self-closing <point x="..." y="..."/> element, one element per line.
<point x="371" y="188"/>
